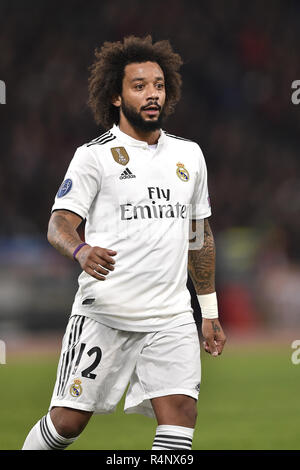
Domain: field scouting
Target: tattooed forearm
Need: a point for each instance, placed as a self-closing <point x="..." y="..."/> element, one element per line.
<point x="201" y="264"/>
<point x="62" y="233"/>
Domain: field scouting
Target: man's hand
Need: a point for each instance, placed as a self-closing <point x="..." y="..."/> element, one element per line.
<point x="96" y="261"/>
<point x="214" y="337"/>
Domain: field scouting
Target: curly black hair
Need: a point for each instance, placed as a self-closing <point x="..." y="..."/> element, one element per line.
<point x="107" y="72"/>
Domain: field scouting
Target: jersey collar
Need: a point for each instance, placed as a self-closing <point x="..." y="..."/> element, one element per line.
<point x="126" y="139"/>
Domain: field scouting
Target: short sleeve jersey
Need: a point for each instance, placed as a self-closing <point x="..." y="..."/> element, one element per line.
<point x="137" y="202"/>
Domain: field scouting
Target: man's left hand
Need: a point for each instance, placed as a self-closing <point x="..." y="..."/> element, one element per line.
<point x="214" y="337"/>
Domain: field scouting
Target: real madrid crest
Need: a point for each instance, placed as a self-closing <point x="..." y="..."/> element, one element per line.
<point x="120" y="155"/>
<point x="182" y="172"/>
<point x="76" y="388"/>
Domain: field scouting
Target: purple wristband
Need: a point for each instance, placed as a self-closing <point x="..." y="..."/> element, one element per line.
<point x="77" y="249"/>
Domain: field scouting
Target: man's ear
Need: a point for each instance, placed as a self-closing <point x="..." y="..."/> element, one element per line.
<point x="116" y="101"/>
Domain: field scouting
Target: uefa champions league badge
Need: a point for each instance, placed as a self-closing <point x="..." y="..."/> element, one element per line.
<point x="64" y="188"/>
<point x="182" y="172"/>
<point x="76" y="388"/>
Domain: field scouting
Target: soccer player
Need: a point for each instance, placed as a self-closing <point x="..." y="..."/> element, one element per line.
<point x="141" y="192"/>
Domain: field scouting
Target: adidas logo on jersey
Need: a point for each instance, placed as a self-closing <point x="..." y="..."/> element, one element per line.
<point x="126" y="174"/>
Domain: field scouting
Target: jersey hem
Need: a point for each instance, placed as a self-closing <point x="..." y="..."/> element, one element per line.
<point x="68" y="210"/>
<point x="187" y="318"/>
<point x="67" y="207"/>
<point x="200" y="217"/>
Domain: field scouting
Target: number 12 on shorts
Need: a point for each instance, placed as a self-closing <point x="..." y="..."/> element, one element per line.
<point x="88" y="371"/>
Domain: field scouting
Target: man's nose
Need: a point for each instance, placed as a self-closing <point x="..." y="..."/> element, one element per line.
<point x="152" y="93"/>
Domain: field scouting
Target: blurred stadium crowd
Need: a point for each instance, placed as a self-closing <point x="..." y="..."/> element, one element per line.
<point x="240" y="59"/>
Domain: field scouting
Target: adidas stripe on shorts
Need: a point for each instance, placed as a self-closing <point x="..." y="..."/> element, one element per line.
<point x="97" y="363"/>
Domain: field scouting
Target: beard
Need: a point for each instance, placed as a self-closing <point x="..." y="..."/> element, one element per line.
<point x="137" y="121"/>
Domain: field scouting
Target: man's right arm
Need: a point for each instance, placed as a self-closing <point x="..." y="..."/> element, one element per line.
<point x="62" y="232"/>
<point x="63" y="236"/>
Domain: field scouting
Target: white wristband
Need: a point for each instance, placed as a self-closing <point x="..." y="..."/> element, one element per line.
<point x="209" y="305"/>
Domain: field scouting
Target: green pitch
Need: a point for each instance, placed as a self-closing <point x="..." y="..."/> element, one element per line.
<point x="249" y="399"/>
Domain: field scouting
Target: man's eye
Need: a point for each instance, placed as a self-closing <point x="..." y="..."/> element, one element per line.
<point x="139" y="86"/>
<point x="160" y="86"/>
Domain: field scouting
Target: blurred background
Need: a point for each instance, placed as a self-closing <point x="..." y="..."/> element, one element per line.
<point x="240" y="59"/>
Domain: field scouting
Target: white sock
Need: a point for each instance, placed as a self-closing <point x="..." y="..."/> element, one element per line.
<point x="43" y="436"/>
<point x="170" y="437"/>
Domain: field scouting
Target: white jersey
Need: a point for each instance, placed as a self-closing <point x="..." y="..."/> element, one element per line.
<point x="138" y="202"/>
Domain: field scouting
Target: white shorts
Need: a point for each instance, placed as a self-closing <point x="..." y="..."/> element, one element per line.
<point x="97" y="363"/>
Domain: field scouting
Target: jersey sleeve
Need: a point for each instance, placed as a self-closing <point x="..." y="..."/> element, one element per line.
<point x="81" y="184"/>
<point x="200" y="200"/>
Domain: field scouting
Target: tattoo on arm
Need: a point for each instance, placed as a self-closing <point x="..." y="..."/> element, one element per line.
<point x="62" y="234"/>
<point x="201" y="263"/>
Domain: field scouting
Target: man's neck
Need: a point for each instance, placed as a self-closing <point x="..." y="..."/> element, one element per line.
<point x="150" y="137"/>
